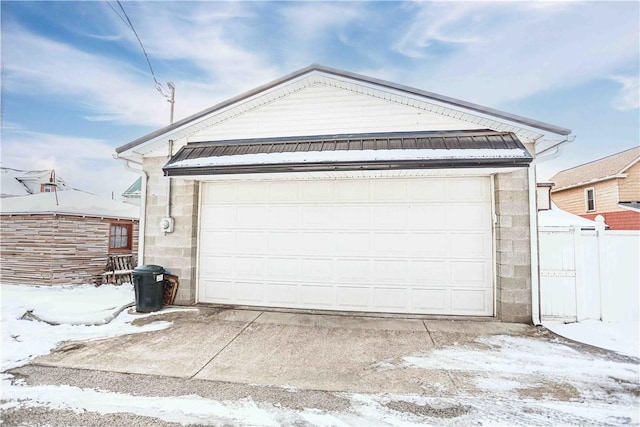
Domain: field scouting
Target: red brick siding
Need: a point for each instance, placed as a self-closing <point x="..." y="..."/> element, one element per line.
<point x="622" y="220"/>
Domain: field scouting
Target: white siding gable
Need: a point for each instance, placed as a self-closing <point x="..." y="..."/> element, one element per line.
<point x="326" y="110"/>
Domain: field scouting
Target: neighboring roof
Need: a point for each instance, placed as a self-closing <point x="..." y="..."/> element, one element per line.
<point x="351" y="152"/>
<point x="72" y="202"/>
<point x="599" y="170"/>
<point x="15" y="182"/>
<point x="556" y="217"/>
<point x="134" y="189"/>
<point x="357" y="77"/>
<point x="632" y="206"/>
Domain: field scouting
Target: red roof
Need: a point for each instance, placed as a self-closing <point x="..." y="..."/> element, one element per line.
<point x="623" y="220"/>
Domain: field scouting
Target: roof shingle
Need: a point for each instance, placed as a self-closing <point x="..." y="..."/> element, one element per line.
<point x="595" y="171"/>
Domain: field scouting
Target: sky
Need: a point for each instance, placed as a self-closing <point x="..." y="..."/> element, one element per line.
<point x="76" y="84"/>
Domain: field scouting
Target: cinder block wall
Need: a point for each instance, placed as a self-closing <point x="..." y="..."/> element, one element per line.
<point x="175" y="251"/>
<point x="513" y="247"/>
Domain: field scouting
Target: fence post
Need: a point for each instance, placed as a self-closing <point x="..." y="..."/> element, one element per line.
<point x="577" y="278"/>
<point x="601" y="259"/>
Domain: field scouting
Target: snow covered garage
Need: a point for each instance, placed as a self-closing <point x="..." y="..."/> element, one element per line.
<point x="329" y="190"/>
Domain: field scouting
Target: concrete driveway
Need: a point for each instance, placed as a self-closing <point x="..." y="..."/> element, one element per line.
<point x="307" y="351"/>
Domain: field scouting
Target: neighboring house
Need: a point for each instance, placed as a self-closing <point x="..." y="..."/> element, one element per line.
<point x="330" y="190"/>
<point x="132" y="194"/>
<point x="63" y="237"/>
<point x="550" y="215"/>
<point x="609" y="187"/>
<point x="14" y="182"/>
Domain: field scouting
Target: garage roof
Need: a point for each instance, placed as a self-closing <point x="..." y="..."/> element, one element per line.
<point x="413" y="150"/>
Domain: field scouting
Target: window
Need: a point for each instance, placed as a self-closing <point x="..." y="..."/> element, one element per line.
<point x="120" y="237"/>
<point x="590" y="199"/>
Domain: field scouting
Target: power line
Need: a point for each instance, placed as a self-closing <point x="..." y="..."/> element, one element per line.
<point x="144" y="51"/>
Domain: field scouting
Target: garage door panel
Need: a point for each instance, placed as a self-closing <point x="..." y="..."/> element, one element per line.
<point x="470" y="245"/>
<point x="469" y="301"/>
<point x="391" y="299"/>
<point x="224" y="216"/>
<point x="318" y="243"/>
<point x="353" y="297"/>
<point x="426" y="217"/>
<point x="217" y="266"/>
<point x="245" y="242"/>
<point x="470" y="273"/>
<point x="250" y="216"/>
<point x="467" y="216"/>
<point x="282" y="243"/>
<point x="318" y="217"/>
<point x="318" y="269"/>
<point x="417" y="245"/>
<point x="389" y="217"/>
<point x="392" y="244"/>
<point x="216" y="290"/>
<point x="430" y="272"/>
<point x="283" y="268"/>
<point x="391" y="271"/>
<point x="434" y="301"/>
<point x="214" y="193"/>
<point x="216" y="240"/>
<point x="353" y="270"/>
<point x="389" y="190"/>
<point x="353" y="216"/>
<point x="434" y="192"/>
<point x="283" y="217"/>
<point x="353" y="191"/>
<point x="249" y="267"/>
<point x="317" y="191"/>
<point x="318" y="296"/>
<point x="250" y="293"/>
<point x="468" y="189"/>
<point x="285" y="294"/>
<point x="428" y="244"/>
<point x="353" y="244"/>
<point x="283" y="191"/>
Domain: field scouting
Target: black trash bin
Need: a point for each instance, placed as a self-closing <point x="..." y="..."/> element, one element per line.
<point x="148" y="282"/>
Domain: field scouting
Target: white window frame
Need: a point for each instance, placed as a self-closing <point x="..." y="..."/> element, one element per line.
<point x="586" y="199"/>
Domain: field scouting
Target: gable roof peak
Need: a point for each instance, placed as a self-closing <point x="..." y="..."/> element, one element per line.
<point x="357" y="78"/>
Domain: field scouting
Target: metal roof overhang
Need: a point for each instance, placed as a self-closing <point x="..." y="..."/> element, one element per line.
<point x="203" y="158"/>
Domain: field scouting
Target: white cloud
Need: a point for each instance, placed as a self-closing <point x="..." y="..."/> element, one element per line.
<point x="629" y="96"/>
<point x="84" y="163"/>
<point x="508" y="51"/>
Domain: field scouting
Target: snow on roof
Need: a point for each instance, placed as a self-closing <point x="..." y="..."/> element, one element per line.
<point x="15" y="182"/>
<point x="556" y="217"/>
<point x="74" y="202"/>
<point x="346" y="156"/>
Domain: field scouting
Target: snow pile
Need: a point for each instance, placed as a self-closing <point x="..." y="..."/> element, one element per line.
<point x="623" y="337"/>
<point x="72" y="307"/>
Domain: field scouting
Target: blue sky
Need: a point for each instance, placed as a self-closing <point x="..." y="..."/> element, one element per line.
<point x="75" y="83"/>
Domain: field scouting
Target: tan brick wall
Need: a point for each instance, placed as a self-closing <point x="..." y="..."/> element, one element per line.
<point x="573" y="199"/>
<point x="629" y="187"/>
<point x="175" y="251"/>
<point x="513" y="247"/>
<point x="52" y="249"/>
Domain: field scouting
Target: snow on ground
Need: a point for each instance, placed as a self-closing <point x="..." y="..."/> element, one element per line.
<point x="72" y="307"/>
<point x="500" y="380"/>
<point x="623" y="337"/>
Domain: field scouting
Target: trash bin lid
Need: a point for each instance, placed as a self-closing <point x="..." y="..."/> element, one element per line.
<point x="151" y="269"/>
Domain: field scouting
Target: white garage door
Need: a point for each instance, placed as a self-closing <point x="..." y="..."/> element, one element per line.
<point x="397" y="245"/>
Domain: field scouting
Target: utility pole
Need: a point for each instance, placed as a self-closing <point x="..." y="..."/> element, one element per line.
<point x="172" y="99"/>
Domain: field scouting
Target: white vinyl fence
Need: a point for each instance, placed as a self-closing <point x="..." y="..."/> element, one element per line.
<point x="589" y="274"/>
